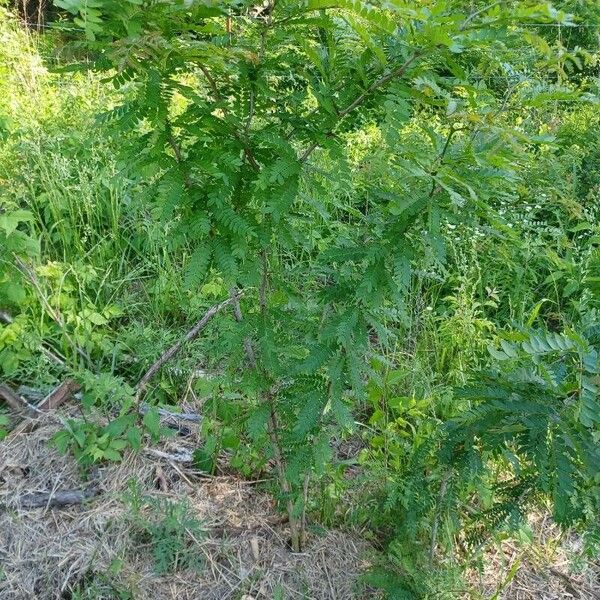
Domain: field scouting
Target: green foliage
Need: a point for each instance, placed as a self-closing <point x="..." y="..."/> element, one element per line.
<point x="4" y="423"/>
<point x="99" y="586"/>
<point x="396" y="186"/>
<point x="540" y="414"/>
<point x="92" y="443"/>
<point x="169" y="528"/>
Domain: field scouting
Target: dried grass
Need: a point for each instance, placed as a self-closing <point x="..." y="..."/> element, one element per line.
<point x="546" y="569"/>
<point x="49" y="553"/>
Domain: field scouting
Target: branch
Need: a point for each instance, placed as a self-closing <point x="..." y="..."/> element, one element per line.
<point x="168" y="414"/>
<point x="475" y="14"/>
<point x="173" y="350"/>
<point x="237" y="313"/>
<point x="59" y="395"/>
<point x="360" y="99"/>
<point x="217" y="95"/>
<point x="56" y="499"/>
<point x="211" y="82"/>
<point x="178" y="155"/>
<point x="182" y="455"/>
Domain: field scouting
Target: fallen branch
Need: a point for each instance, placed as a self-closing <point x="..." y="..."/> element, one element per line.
<point x="57" y="499"/>
<point x="59" y="395"/>
<point x="173" y="350"/>
<point x="13" y="400"/>
<point x="54" y="399"/>
<point x="69" y="388"/>
<point x="181" y="455"/>
<point x="167" y="414"/>
<point x="573" y="586"/>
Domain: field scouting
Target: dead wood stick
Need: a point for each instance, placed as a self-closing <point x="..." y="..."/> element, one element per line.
<point x="70" y="388"/>
<point x="13" y="400"/>
<point x="181" y="455"/>
<point x="54" y="399"/>
<point x="168" y="414"/>
<point x="57" y="499"/>
<point x="175" y="348"/>
<point x="59" y="395"/>
<point x="571" y="584"/>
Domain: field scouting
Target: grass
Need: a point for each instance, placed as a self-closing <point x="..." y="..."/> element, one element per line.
<point x="105" y="266"/>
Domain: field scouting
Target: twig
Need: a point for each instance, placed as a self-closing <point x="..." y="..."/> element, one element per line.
<point x="51" y="401"/>
<point x="475" y="14"/>
<point x="571" y="583"/>
<point x="436" y="521"/>
<point x="167" y="414"/>
<point x="178" y="156"/>
<point x="175" y="348"/>
<point x="212" y="83"/>
<point x="59" y="395"/>
<point x="182" y="455"/>
<point x="305" y="489"/>
<point x="237" y="313"/>
<point x="218" y="98"/>
<point x="360" y="99"/>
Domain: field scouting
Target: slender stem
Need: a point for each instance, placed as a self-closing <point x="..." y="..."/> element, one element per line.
<point x="475" y="14"/>
<point x="178" y="155"/>
<point x="217" y="96"/>
<point x="398" y="72"/>
<point x="305" y="490"/>
<point x="436" y="521"/>
<point x="175" y="348"/>
<point x="296" y="531"/>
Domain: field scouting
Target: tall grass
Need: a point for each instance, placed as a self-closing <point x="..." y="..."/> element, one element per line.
<point x="104" y="263"/>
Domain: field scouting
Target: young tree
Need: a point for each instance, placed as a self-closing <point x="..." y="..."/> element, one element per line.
<point x="268" y="97"/>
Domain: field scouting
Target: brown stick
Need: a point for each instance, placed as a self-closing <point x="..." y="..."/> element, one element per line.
<point x="59" y="395"/>
<point x="13" y="400"/>
<point x="175" y="348"/>
<point x="53" y="400"/>
<point x="57" y="499"/>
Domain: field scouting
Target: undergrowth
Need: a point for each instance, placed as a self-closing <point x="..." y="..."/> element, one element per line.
<point x="432" y="372"/>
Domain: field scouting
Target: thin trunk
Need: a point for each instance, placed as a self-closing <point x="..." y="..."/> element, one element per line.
<point x="296" y="529"/>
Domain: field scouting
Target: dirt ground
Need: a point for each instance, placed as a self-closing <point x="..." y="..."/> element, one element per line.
<point x="89" y="550"/>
